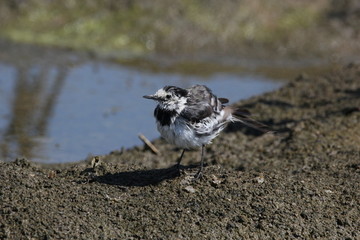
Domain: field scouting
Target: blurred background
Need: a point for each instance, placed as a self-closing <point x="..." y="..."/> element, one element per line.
<point x="73" y="73"/>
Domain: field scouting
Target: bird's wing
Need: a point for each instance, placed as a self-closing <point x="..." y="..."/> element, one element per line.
<point x="196" y="112"/>
<point x="201" y="104"/>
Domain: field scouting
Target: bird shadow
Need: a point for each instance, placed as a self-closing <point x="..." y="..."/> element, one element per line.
<point x="352" y="92"/>
<point x="141" y="178"/>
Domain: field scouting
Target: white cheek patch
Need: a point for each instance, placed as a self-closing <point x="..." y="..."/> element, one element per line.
<point x="177" y="104"/>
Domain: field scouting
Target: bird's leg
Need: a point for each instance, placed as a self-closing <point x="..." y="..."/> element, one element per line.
<point x="179" y="159"/>
<point x="199" y="173"/>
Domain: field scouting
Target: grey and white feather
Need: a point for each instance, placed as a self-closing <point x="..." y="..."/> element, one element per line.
<point x="192" y="118"/>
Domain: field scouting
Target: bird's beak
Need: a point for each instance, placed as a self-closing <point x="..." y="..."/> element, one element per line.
<point x="153" y="97"/>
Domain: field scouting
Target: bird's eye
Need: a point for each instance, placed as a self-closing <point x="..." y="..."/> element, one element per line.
<point x="168" y="96"/>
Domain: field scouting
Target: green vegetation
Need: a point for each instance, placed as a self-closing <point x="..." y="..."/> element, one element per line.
<point x="189" y="26"/>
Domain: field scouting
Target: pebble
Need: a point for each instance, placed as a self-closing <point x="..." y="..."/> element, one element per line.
<point x="190" y="189"/>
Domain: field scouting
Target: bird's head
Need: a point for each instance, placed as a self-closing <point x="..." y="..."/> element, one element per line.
<point x="170" y="98"/>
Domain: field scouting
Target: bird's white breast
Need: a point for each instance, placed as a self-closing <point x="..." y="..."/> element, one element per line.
<point x="192" y="135"/>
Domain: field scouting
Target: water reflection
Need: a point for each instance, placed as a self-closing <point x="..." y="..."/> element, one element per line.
<point x="35" y="94"/>
<point x="53" y="110"/>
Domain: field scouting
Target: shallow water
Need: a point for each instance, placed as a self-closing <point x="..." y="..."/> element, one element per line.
<point x="58" y="107"/>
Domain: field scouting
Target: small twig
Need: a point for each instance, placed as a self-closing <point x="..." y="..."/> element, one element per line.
<point x="149" y="144"/>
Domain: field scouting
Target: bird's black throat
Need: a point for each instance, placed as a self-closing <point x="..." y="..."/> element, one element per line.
<point x="164" y="116"/>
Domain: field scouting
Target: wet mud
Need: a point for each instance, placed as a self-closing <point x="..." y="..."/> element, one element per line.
<point x="301" y="182"/>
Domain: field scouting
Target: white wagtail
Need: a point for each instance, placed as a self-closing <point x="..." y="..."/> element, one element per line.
<point x="192" y="118"/>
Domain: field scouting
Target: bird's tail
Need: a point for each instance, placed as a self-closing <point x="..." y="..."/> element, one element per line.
<point x="243" y="116"/>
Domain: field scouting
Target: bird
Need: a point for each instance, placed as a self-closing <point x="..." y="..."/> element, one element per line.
<point x="190" y="118"/>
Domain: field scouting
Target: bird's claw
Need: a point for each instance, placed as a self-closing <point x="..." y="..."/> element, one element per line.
<point x="198" y="175"/>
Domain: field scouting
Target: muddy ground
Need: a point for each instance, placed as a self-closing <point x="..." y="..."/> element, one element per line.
<point x="300" y="183"/>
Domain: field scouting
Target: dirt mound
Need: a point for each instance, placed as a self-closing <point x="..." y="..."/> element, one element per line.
<point x="302" y="182"/>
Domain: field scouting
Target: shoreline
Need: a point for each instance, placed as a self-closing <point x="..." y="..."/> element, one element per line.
<point x="302" y="182"/>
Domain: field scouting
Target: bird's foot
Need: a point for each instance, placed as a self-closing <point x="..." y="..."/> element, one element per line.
<point x="198" y="175"/>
